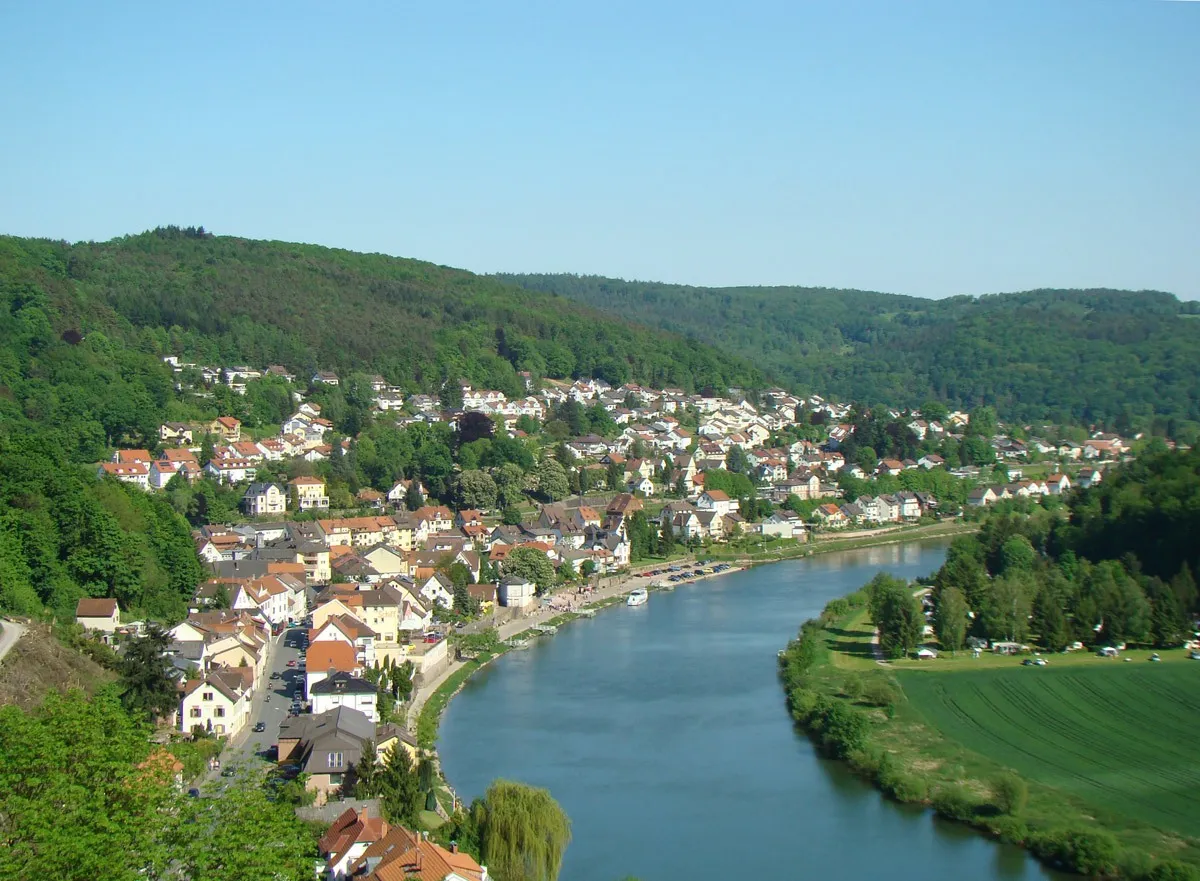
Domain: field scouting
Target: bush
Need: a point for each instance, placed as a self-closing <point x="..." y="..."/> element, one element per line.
<point x="1172" y="870"/>
<point x="881" y="693"/>
<point x="903" y="786"/>
<point x="1083" y="851"/>
<point x="843" y="729"/>
<point x="1010" y="794"/>
<point x="955" y="802"/>
<point x="1010" y="829"/>
<point x="866" y="762"/>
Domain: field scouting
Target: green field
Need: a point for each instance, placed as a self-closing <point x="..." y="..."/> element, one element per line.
<point x="1124" y="738"/>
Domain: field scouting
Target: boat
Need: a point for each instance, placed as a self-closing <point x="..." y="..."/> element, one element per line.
<point x="637" y="597"/>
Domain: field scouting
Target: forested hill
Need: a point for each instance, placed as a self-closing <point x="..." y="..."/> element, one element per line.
<point x="1097" y="356"/>
<point x="225" y="300"/>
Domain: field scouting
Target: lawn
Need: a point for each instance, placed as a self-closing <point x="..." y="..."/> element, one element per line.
<point x="1123" y="737"/>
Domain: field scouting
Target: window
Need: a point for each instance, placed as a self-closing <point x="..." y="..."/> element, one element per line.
<point x="335" y="760"/>
<point x="220" y="714"/>
<point x="195" y="713"/>
<point x="208" y="695"/>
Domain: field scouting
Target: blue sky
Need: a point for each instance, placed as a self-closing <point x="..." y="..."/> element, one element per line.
<point x="931" y="148"/>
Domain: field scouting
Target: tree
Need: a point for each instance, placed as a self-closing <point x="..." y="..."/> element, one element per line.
<point x="950" y="618"/>
<point x="737" y="461"/>
<point x="412" y="496"/>
<point x="475" y="489"/>
<point x="510" y="485"/>
<point x="666" y="542"/>
<point x="1017" y="556"/>
<point x="398" y="789"/>
<point x="615" y="476"/>
<point x="982" y="422"/>
<point x="1049" y="622"/>
<point x="552" y="480"/>
<point x="365" y="772"/>
<point x="532" y="565"/>
<point x="523" y="832"/>
<point x="74" y="803"/>
<point x="1010" y="793"/>
<point x="148" y="690"/>
<point x="1006" y="613"/>
<point x="897" y="613"/>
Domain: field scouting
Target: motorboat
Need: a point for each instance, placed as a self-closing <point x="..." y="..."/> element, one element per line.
<point x="638" y="597"/>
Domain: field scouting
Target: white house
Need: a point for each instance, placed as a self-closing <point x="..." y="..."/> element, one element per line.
<point x="264" y="500"/>
<point x="717" y="500"/>
<point x="344" y="690"/>
<point x="98" y="614"/>
<point x="219" y="703"/>
<point x="516" y="592"/>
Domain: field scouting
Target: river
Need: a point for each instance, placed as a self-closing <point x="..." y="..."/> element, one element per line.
<point x="662" y="732"/>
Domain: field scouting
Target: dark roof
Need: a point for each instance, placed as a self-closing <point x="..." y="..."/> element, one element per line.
<point x="343" y="683"/>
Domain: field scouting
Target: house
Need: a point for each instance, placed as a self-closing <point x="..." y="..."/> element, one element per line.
<point x="308" y="493"/>
<point x="227" y="428"/>
<point x="910" y="505"/>
<point x="264" y="500"/>
<point x="931" y="461"/>
<point x="344" y="842"/>
<point x="718" y="501"/>
<point x="231" y="470"/>
<point x="981" y="496"/>
<point x="1089" y="477"/>
<point x="98" y="615"/>
<point x="344" y="690"/>
<point x="134" y="473"/>
<point x="889" y="466"/>
<point x="516" y="592"/>
<point x="437" y="518"/>
<point x="178" y="432"/>
<point x="325" y="746"/>
<point x="403" y="854"/>
<point x="218" y="703"/>
<point x="438" y="590"/>
<point x="161" y="472"/>
<point x="1057" y="484"/>
<point x="926" y="654"/>
<point x="831" y="516"/>
<point x="370" y="498"/>
<point x="325" y="377"/>
<point x="346" y="628"/>
<point x="782" y="524"/>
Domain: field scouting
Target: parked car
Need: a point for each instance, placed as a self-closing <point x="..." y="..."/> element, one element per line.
<point x="291" y="663"/>
<point x="1155" y="657"/>
<point x="275" y="674"/>
<point x="228" y="772"/>
<point x="260" y="726"/>
<point x="1195" y="656"/>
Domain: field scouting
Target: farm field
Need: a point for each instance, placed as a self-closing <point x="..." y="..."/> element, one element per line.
<point x="1120" y="736"/>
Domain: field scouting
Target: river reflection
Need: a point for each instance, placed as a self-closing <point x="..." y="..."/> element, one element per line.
<point x="662" y="731"/>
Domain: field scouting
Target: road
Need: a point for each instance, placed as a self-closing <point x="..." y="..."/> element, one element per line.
<point x="271" y="706"/>
<point x="10" y="632"/>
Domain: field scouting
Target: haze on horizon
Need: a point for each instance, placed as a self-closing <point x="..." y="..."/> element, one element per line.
<point x="930" y="148"/>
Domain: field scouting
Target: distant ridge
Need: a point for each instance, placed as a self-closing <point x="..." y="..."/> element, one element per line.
<point x="1092" y="356"/>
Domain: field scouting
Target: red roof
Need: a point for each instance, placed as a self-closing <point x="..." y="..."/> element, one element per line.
<point x="96" y="607"/>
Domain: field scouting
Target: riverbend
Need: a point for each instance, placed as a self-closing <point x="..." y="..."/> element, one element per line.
<point x="661" y="731"/>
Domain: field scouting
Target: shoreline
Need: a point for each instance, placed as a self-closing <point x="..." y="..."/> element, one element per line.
<point x="607" y="596"/>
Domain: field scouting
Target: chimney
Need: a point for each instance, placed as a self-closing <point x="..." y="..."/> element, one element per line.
<point x="453" y="847"/>
<point x="362" y="814"/>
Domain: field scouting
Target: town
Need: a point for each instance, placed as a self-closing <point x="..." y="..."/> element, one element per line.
<point x="302" y="609"/>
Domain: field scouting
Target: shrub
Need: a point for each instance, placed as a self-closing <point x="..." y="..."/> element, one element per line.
<point x="1010" y="829"/>
<point x="955" y="802"/>
<point x="903" y="786"/>
<point x="1172" y="870"/>
<point x="1083" y="851"/>
<point x="1010" y="794"/>
<point x="866" y="762"/>
<point x="880" y="693"/>
<point x="843" y="729"/>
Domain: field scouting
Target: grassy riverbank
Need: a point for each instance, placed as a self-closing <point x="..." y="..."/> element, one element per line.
<point x="1085" y="762"/>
